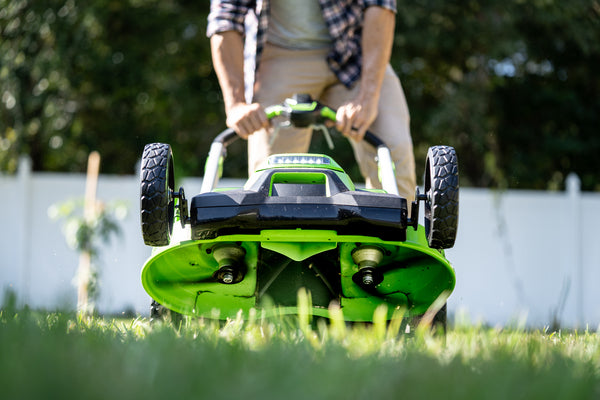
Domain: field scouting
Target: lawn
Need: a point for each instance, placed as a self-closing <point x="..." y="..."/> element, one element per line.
<point x="60" y="355"/>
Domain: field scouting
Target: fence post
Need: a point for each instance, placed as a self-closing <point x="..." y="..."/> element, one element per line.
<point x="90" y="212"/>
<point x="23" y="207"/>
<point x="573" y="186"/>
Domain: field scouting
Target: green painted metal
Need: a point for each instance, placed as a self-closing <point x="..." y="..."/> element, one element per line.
<point x="313" y="178"/>
<point x="298" y="251"/>
<point x="180" y="276"/>
<point x="304" y="177"/>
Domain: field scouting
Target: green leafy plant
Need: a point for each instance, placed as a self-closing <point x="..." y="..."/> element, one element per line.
<point x="87" y="235"/>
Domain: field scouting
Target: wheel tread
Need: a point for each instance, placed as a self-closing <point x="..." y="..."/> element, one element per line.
<point x="442" y="220"/>
<point x="156" y="227"/>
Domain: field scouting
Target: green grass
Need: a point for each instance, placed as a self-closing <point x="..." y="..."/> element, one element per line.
<point x="60" y="355"/>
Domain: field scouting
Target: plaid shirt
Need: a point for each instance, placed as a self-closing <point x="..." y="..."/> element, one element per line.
<point x="343" y="18"/>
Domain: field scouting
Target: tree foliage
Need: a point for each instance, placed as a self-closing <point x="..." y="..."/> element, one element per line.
<point x="105" y="75"/>
<point x="511" y="84"/>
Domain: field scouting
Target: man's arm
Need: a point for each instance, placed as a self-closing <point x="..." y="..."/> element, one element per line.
<point x="228" y="60"/>
<point x="377" y="40"/>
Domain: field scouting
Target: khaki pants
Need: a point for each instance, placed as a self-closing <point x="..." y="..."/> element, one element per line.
<point x="283" y="72"/>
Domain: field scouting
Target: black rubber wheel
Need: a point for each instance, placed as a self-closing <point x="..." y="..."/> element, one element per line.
<point x="156" y="196"/>
<point x="441" y="190"/>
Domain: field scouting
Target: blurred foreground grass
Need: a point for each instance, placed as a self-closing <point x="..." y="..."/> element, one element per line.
<point x="61" y="355"/>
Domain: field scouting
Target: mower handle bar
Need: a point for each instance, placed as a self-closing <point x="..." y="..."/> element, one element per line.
<point x="228" y="136"/>
<point x="302" y="112"/>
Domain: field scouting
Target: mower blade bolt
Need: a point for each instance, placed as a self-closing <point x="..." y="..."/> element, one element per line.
<point x="230" y="258"/>
<point x="227" y="277"/>
<point x="367" y="279"/>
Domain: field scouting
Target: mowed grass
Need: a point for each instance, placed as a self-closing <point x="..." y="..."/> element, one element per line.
<point x="62" y="356"/>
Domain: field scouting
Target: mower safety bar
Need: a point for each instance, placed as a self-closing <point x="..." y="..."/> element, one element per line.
<point x="215" y="157"/>
<point x="226" y="137"/>
<point x="301" y="111"/>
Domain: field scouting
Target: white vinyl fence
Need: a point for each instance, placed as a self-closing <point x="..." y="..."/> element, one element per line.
<point x="520" y="255"/>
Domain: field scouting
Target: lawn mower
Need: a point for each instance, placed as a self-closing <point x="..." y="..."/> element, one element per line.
<point x="299" y="222"/>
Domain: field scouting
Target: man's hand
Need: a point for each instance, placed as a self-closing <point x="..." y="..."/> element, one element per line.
<point x="245" y="119"/>
<point x="228" y="61"/>
<point x="359" y="114"/>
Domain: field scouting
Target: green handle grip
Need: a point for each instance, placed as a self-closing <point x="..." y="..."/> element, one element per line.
<point x="328" y="113"/>
<point x="274" y="111"/>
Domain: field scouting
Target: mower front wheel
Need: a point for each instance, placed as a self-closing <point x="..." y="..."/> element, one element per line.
<point x="441" y="192"/>
<point x="157" y="203"/>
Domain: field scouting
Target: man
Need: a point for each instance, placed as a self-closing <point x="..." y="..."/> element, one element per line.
<point x="337" y="51"/>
